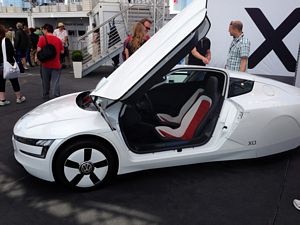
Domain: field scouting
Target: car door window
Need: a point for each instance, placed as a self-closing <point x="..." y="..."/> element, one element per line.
<point x="178" y="76"/>
<point x="185" y="76"/>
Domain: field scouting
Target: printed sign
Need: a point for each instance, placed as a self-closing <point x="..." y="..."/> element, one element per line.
<point x="273" y="28"/>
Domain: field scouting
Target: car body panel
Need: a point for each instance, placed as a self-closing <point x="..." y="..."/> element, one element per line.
<point x="56" y="119"/>
<point x="237" y="114"/>
<point x="271" y="117"/>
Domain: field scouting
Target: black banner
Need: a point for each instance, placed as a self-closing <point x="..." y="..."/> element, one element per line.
<point x="274" y="38"/>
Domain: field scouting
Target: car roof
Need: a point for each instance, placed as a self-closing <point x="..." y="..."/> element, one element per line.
<point x="154" y="52"/>
<point x="246" y="76"/>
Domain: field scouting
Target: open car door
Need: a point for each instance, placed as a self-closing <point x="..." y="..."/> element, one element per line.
<point x="162" y="52"/>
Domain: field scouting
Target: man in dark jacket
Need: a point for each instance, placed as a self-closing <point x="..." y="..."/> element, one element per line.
<point x="21" y="43"/>
<point x="34" y="39"/>
<point x="200" y="54"/>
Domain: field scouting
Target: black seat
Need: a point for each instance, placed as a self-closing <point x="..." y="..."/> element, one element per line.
<point x="211" y="90"/>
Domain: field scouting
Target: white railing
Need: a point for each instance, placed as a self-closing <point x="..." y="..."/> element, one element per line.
<point x="85" y="5"/>
<point x="104" y="40"/>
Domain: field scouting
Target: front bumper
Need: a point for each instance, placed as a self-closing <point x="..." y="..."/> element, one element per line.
<point x="28" y="156"/>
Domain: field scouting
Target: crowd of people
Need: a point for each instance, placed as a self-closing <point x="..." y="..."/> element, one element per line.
<point x="22" y="46"/>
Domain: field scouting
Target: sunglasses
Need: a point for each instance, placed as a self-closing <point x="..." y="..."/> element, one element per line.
<point x="147" y="28"/>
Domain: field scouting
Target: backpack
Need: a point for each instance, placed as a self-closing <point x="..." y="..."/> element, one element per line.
<point x="47" y="53"/>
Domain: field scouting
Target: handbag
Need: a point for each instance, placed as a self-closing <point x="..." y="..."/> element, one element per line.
<point x="9" y="71"/>
<point x="47" y="53"/>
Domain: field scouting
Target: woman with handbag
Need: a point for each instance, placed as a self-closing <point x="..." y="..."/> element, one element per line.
<point x="10" y="58"/>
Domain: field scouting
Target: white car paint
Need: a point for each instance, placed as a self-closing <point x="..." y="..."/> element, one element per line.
<point x="279" y="131"/>
<point x="233" y="143"/>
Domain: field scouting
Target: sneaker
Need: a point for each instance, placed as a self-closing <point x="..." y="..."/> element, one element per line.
<point x="4" y="102"/>
<point x="20" y="100"/>
<point x="297" y="203"/>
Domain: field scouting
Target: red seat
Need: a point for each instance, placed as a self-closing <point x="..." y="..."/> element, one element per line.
<point x="190" y="121"/>
<point x="168" y="119"/>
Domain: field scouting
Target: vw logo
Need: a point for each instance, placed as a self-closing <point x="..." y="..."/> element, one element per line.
<point x="86" y="168"/>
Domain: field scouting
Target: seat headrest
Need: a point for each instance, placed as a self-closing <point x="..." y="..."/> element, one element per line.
<point x="211" y="86"/>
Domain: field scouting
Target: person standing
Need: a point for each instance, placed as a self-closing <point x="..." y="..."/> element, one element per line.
<point x="34" y="38"/>
<point x="239" y="49"/>
<point x="113" y="39"/>
<point x="96" y="42"/>
<point x="147" y="24"/>
<point x="10" y="52"/>
<point x="200" y="54"/>
<point x="137" y="40"/>
<point x="28" y="59"/>
<point x="62" y="34"/>
<point x="51" y="69"/>
<point x="10" y="34"/>
<point x="21" y="43"/>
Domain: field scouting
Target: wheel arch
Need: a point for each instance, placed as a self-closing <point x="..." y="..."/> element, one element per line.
<point x="87" y="137"/>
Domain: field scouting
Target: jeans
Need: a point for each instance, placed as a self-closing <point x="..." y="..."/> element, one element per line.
<point x="19" y="55"/>
<point x="28" y="59"/>
<point x="50" y="82"/>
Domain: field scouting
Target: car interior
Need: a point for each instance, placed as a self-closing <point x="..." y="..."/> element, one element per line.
<point x="180" y="110"/>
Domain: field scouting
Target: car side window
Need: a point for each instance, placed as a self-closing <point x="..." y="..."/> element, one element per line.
<point x="177" y="76"/>
<point x="239" y="87"/>
<point x="185" y="76"/>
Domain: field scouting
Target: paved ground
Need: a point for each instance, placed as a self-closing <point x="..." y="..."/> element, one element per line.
<point x="246" y="192"/>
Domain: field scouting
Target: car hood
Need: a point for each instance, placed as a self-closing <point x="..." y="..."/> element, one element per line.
<point x="63" y="108"/>
<point x="155" y="52"/>
<point x="59" y="118"/>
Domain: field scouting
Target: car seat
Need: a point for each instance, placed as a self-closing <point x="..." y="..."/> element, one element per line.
<point x="196" y="116"/>
<point x="176" y="120"/>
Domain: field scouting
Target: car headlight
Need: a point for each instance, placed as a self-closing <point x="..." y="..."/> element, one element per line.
<point x="44" y="143"/>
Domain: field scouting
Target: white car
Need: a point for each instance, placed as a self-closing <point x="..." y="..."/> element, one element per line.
<point x="149" y="114"/>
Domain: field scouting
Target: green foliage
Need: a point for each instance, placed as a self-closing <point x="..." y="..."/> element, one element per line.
<point x="77" y="56"/>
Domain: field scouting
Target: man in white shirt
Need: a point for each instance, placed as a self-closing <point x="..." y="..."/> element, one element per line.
<point x="62" y="34"/>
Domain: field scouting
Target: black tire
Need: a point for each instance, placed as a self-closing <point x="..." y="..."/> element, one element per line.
<point x="84" y="165"/>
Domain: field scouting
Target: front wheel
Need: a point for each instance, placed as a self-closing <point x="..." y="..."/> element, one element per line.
<point x="84" y="165"/>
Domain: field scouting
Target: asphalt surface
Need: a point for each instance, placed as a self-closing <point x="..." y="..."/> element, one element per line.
<point x="244" y="192"/>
